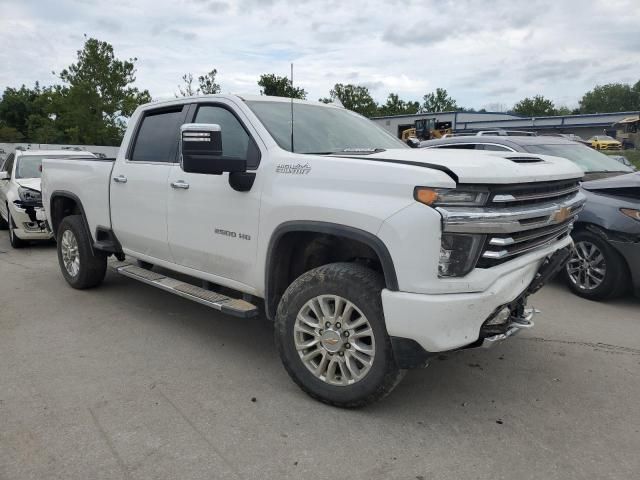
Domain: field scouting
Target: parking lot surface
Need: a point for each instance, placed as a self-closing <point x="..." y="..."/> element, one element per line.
<point x="128" y="382"/>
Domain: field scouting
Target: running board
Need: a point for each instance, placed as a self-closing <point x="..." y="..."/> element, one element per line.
<point x="231" y="306"/>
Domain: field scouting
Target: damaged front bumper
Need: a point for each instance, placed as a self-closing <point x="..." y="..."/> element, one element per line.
<point x="30" y="220"/>
<point x="421" y="326"/>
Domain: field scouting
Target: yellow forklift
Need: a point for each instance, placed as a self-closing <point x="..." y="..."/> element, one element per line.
<point x="427" y="129"/>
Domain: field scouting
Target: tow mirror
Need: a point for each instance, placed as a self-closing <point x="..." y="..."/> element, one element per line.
<point x="4" y="175"/>
<point x="201" y="150"/>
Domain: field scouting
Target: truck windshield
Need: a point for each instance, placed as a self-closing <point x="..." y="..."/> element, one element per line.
<point x="29" y="166"/>
<point x="322" y="130"/>
<point x="586" y="158"/>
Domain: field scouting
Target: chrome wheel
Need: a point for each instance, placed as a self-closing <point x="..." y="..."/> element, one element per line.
<point x="70" y="254"/>
<point x="334" y="340"/>
<point x="587" y="267"/>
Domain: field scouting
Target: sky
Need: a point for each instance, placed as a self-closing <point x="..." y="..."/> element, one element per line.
<point x="487" y="54"/>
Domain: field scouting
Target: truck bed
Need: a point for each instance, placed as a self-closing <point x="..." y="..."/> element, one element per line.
<point x="84" y="177"/>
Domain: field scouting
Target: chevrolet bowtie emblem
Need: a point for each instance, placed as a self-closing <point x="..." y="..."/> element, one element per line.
<point x="331" y="341"/>
<point x="562" y="214"/>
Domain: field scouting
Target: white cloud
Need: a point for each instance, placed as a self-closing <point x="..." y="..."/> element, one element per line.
<point x="481" y="52"/>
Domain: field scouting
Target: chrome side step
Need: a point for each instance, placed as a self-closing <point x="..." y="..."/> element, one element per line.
<point x="232" y="306"/>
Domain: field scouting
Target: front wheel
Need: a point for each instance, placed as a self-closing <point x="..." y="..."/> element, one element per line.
<point x="80" y="265"/>
<point x="13" y="238"/>
<point x="596" y="271"/>
<point x="331" y="336"/>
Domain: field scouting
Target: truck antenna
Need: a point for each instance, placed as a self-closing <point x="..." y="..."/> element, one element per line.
<point x="291" y="92"/>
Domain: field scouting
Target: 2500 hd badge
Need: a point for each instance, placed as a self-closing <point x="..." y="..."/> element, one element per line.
<point x="227" y="233"/>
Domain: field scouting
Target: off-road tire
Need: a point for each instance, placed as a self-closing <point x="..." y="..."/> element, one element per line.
<point x="362" y="287"/>
<point x="13" y="239"/>
<point x="93" y="265"/>
<point x="616" y="280"/>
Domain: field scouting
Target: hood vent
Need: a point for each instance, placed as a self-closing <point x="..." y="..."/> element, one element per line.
<point x="525" y="159"/>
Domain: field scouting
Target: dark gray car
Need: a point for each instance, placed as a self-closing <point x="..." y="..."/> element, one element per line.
<point x="606" y="262"/>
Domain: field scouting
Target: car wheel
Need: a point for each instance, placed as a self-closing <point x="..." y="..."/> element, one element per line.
<point x="80" y="265"/>
<point x="4" y="225"/>
<point x="13" y="238"/>
<point x="331" y="336"/>
<point x="595" y="271"/>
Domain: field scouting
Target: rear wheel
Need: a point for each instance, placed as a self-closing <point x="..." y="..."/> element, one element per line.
<point x="80" y="265"/>
<point x="13" y="238"/>
<point x="596" y="271"/>
<point x="331" y="336"/>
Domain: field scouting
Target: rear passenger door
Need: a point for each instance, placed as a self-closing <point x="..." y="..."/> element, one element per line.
<point x="139" y="183"/>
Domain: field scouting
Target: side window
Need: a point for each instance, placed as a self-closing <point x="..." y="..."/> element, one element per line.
<point x="236" y="142"/>
<point x="8" y="164"/>
<point x="495" y="148"/>
<point x="157" y="139"/>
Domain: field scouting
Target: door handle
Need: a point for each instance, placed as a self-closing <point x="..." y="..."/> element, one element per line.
<point x="180" y="184"/>
<point x="120" y="179"/>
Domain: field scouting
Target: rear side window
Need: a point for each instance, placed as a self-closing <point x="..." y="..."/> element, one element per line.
<point x="157" y="139"/>
<point x="458" y="146"/>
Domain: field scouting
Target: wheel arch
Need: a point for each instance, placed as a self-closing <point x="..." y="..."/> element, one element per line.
<point x="62" y="204"/>
<point x="297" y="235"/>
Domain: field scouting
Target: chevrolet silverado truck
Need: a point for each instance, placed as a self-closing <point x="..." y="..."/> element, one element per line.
<point x="369" y="256"/>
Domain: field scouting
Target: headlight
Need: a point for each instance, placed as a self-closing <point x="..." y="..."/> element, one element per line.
<point x="631" y="212"/>
<point x="28" y="195"/>
<point x="459" y="254"/>
<point x="452" y="197"/>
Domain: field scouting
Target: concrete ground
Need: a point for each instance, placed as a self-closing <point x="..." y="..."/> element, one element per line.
<point x="127" y="382"/>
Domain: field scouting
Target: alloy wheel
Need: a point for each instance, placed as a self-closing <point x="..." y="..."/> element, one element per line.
<point x="334" y="340"/>
<point x="70" y="254"/>
<point x="587" y="267"/>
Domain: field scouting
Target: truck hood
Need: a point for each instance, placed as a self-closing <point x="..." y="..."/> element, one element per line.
<point x="470" y="166"/>
<point x="32" y="183"/>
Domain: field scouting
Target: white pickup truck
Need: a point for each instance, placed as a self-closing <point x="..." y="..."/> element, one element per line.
<point x="370" y="257"/>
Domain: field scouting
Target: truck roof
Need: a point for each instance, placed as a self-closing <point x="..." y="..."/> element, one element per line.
<point x="236" y="97"/>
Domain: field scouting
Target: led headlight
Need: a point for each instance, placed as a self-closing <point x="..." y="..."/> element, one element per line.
<point x="453" y="197"/>
<point x="29" y="195"/>
<point x="458" y="254"/>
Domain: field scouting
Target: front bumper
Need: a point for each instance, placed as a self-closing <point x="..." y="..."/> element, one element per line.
<point x="29" y="222"/>
<point x="423" y="324"/>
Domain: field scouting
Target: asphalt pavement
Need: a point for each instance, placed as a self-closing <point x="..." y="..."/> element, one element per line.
<point x="128" y="382"/>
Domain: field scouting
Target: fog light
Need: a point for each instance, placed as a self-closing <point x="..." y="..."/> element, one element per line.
<point x="500" y="318"/>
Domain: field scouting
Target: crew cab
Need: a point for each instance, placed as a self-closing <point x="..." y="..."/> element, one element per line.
<point x="370" y="257"/>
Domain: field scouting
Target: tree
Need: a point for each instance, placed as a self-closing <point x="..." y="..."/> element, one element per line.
<point x="563" y="110"/>
<point x="396" y="106"/>
<point x="99" y="95"/>
<point x="353" y="97"/>
<point x="206" y="85"/>
<point x="438" y="101"/>
<point x="207" y="82"/>
<point x="537" y="106"/>
<point x="612" y="97"/>
<point x="187" y="90"/>
<point x="272" y="84"/>
<point x="10" y="134"/>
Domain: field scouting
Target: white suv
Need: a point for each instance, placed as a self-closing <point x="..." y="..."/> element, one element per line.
<point x="20" y="199"/>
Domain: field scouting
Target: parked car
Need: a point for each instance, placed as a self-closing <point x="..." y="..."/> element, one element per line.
<point x="364" y="252"/>
<point x="20" y="199"/>
<point x="606" y="261"/>
<point x="605" y="142"/>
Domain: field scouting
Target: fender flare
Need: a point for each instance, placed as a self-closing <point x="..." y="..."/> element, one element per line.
<point x="78" y="202"/>
<point x="369" y="239"/>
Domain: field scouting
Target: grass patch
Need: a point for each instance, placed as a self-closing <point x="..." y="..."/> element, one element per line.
<point x="632" y="155"/>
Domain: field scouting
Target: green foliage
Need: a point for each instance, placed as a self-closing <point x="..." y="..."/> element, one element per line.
<point x="396" y="106"/>
<point x="206" y="85"/>
<point x="277" y="86"/>
<point x="355" y="98"/>
<point x="90" y="108"/>
<point x="100" y="94"/>
<point x="207" y="82"/>
<point x="613" y="97"/>
<point x="537" y="106"/>
<point x="438" y="101"/>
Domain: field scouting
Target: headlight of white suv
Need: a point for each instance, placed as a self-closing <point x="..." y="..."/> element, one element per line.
<point x="29" y="195"/>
